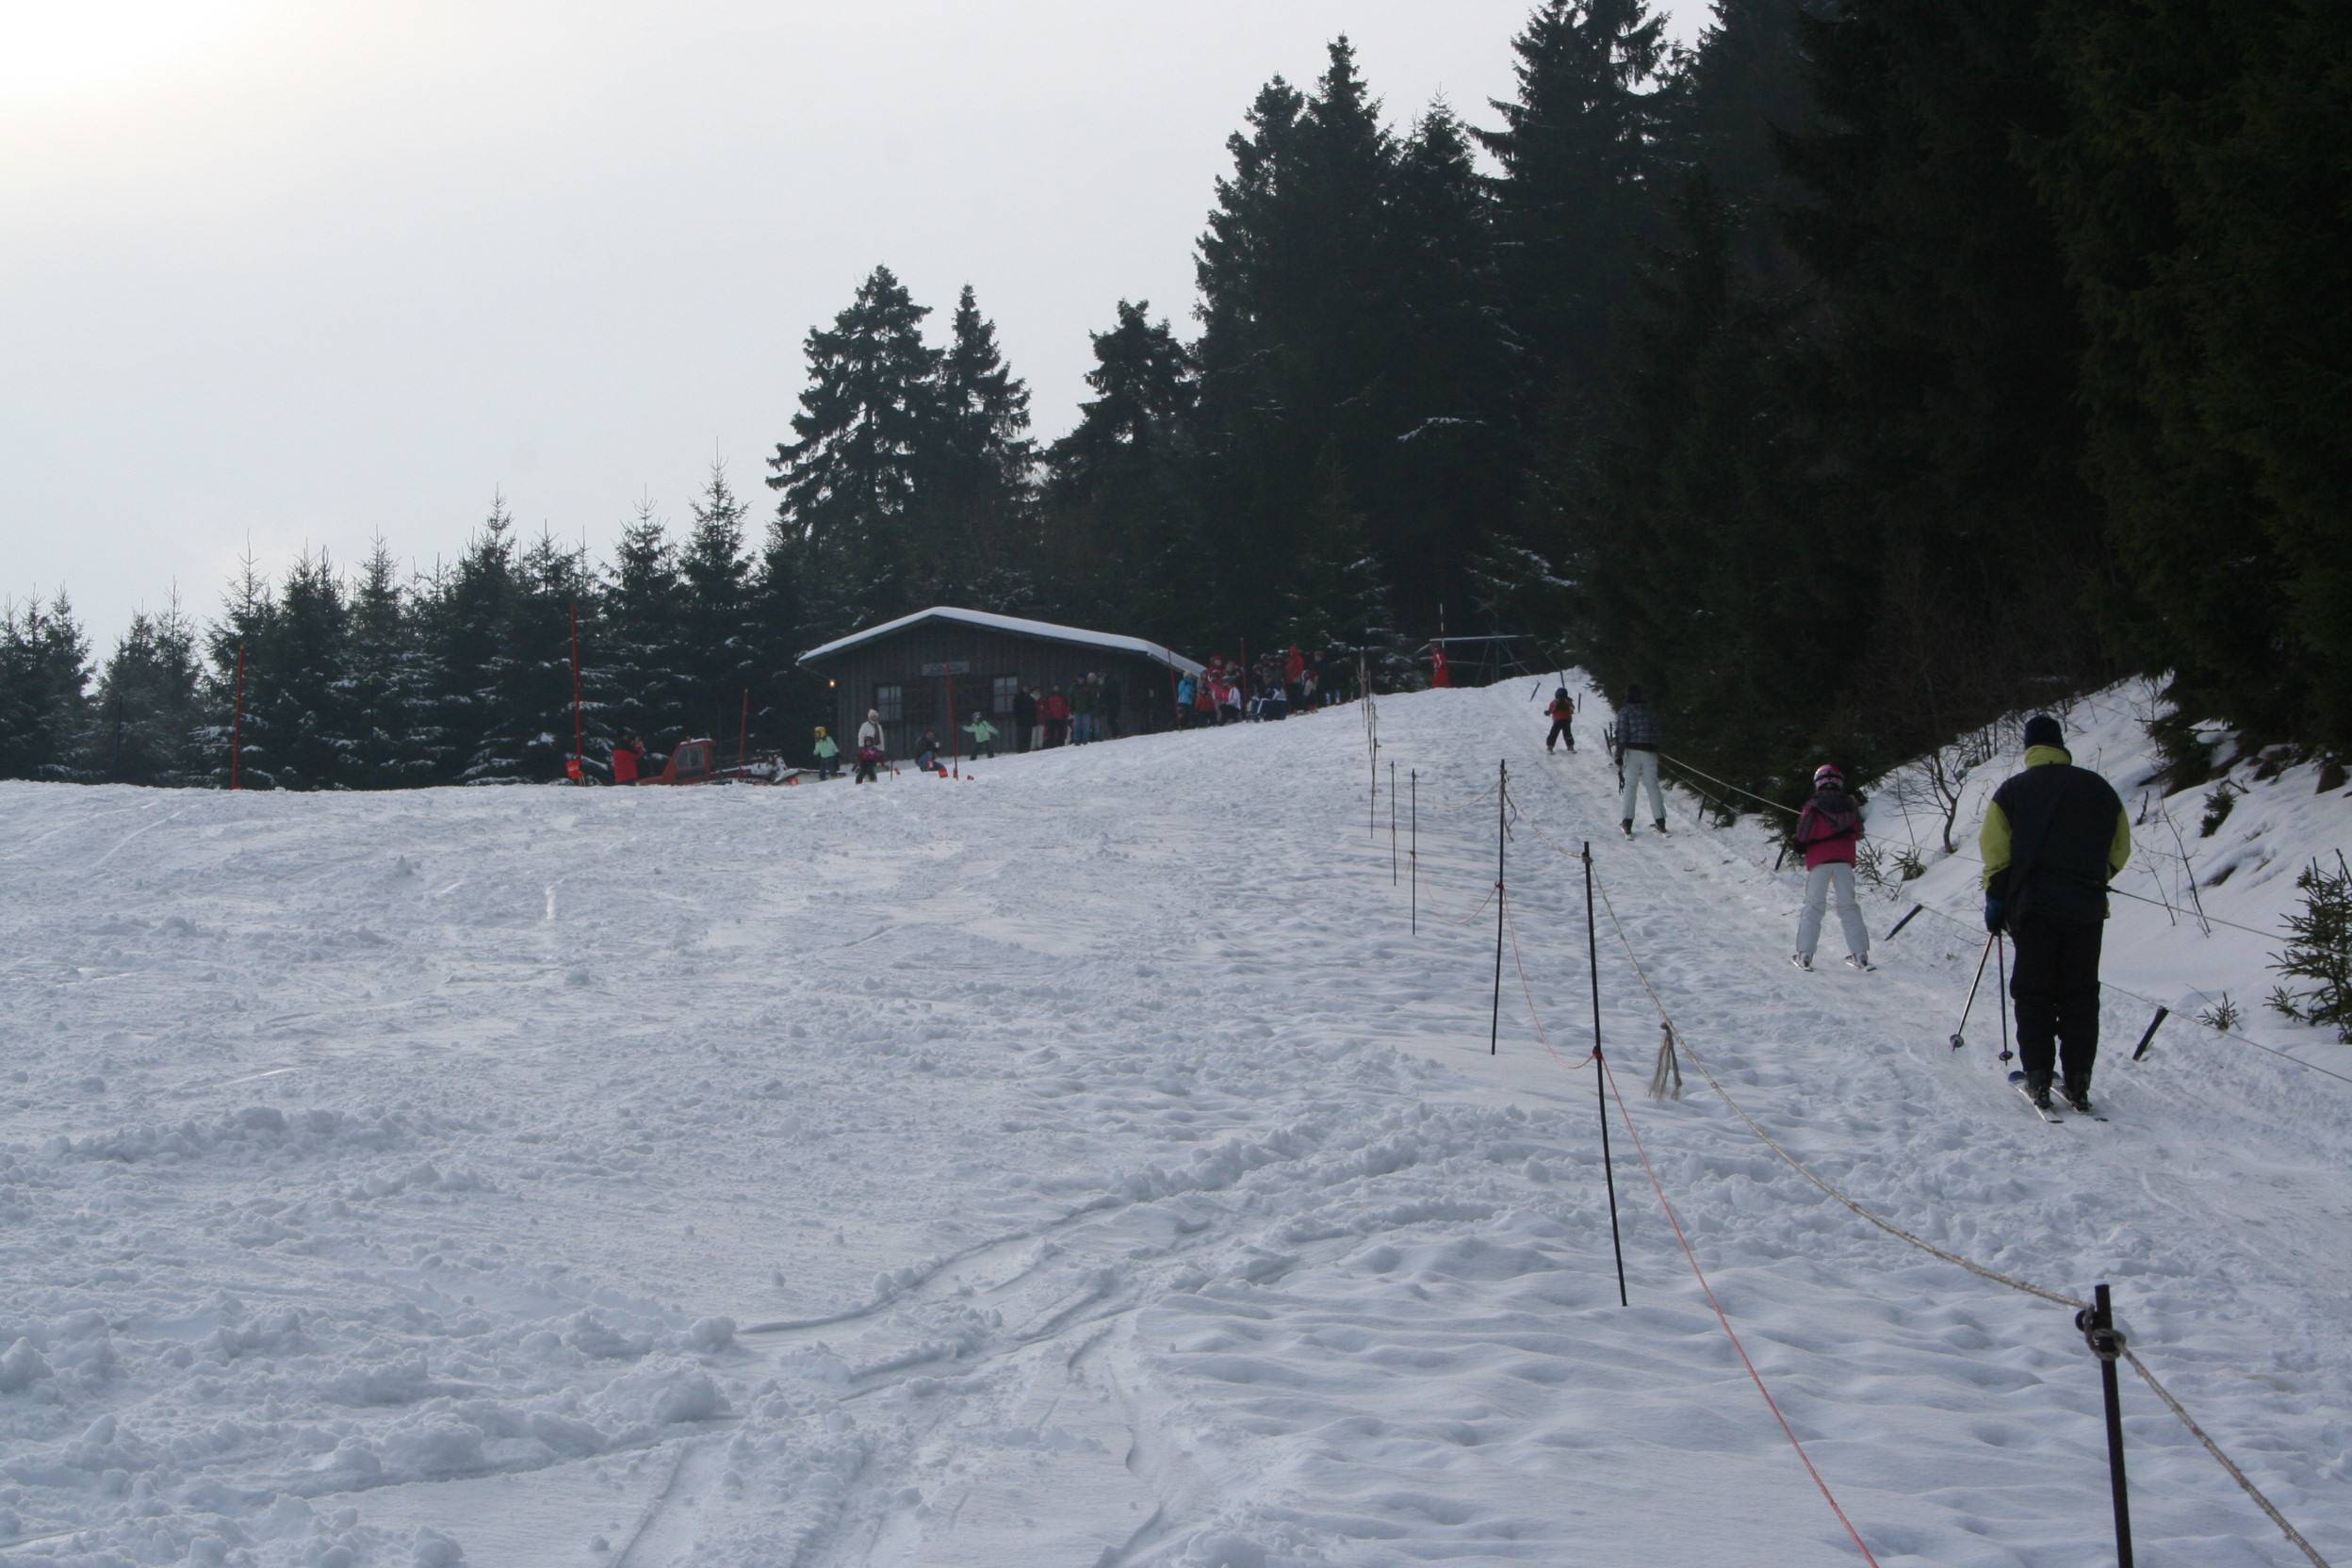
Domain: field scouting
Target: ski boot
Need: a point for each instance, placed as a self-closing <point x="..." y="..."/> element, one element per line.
<point x="1801" y="961"/>
<point x="1627" y="826"/>
<point x="2037" y="1089"/>
<point x="1860" y="963"/>
<point x="2077" y="1092"/>
<point x="1660" y="825"/>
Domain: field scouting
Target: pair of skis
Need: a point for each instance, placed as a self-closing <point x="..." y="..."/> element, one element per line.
<point x="2051" y="1114"/>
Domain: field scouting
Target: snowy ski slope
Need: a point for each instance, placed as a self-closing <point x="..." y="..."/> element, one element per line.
<point x="1084" y="1164"/>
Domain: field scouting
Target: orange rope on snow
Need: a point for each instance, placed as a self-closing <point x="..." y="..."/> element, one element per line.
<point x="1730" y="1332"/>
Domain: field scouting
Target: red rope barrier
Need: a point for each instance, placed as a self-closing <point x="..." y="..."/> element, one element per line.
<point x="1733" y="1334"/>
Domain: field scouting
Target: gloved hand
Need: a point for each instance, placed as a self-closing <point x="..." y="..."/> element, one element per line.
<point x="1996" y="913"/>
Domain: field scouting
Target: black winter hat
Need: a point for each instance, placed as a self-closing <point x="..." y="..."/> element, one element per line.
<point x="2042" y="730"/>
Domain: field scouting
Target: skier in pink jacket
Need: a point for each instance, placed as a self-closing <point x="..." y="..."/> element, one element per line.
<point x="1828" y="829"/>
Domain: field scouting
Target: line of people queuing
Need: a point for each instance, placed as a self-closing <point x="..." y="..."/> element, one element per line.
<point x="2053" y="837"/>
<point x="1276" y="685"/>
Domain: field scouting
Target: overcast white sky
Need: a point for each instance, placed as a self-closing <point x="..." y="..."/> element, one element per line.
<point x="299" y="272"/>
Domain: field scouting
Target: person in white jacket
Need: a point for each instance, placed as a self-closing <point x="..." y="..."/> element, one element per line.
<point x="870" y="748"/>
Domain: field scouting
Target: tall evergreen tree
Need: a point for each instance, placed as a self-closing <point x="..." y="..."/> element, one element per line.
<point x="551" y="586"/>
<point x="1122" y="537"/>
<point x="1291" y="273"/>
<point x="1579" y="148"/>
<point x="44" y="685"/>
<point x="2199" y="186"/>
<point x="644" y="626"/>
<point x="868" y="417"/>
<point x="476" y="625"/>
<point x="147" y="701"/>
<point x="1445" y="466"/>
<point x="718" y="658"/>
<point x="393" y="682"/>
<point x="1339" y="598"/>
<point x="1945" y="369"/>
<point x="298" y="684"/>
<point x="980" y="496"/>
<point x="237" y="645"/>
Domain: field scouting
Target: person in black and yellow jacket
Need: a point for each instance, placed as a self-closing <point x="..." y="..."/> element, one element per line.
<point x="2054" y="837"/>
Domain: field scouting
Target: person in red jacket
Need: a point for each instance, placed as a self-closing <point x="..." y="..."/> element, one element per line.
<point x="629" y="758"/>
<point x="1828" y="829"/>
<point x="1055" y="712"/>
<point x="1561" y="711"/>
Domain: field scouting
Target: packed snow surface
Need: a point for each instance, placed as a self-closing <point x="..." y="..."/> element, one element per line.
<point x="1086" y="1163"/>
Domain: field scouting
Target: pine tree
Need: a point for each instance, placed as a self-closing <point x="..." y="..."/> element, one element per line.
<point x="2198" y="185"/>
<point x="979" y="497"/>
<point x="476" y="632"/>
<point x="427" y="687"/>
<point x="1580" y="150"/>
<point x="717" y="659"/>
<point x="643" y="625"/>
<point x="552" y="584"/>
<point x="863" y="439"/>
<point x="1291" y="271"/>
<point x="298" y="686"/>
<point x="1445" y="469"/>
<point x="393" y="680"/>
<point x="237" y="644"/>
<point x="791" y="614"/>
<point x="1943" y="373"/>
<point x="1121" y="535"/>
<point x="44" y="682"/>
<point x="146" y="702"/>
<point x="1340" y="597"/>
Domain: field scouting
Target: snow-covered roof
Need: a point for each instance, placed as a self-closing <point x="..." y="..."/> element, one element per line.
<point x="1019" y="627"/>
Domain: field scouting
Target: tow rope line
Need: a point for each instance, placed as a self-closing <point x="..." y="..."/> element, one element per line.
<point x="2010" y="1281"/>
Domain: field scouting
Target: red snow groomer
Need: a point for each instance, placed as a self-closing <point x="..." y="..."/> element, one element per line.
<point x="697" y="762"/>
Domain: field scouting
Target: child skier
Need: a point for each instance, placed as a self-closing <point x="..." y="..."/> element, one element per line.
<point x="1561" y="711"/>
<point x="1827" y="830"/>
<point x="983" y="735"/>
<point x="928" y="755"/>
<point x="828" y="756"/>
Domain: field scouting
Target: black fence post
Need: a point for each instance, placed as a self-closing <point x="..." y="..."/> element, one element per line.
<point x="1600" y="1070"/>
<point x="1901" y="924"/>
<point x="1502" y="829"/>
<point x="1412" y="781"/>
<point x="1391" y="825"/>
<point x="2098" y="1323"/>
<point x="2149" y="1033"/>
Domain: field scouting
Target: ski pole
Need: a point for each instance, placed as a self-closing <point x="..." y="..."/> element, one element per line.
<point x="1958" y="1037"/>
<point x="2001" y="968"/>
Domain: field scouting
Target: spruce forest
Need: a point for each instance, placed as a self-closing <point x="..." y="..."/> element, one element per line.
<point x="1864" y="371"/>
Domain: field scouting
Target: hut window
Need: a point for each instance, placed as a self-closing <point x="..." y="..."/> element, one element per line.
<point x="892" y="703"/>
<point x="1006" y="688"/>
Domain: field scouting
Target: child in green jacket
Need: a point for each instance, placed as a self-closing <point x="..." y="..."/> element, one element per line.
<point x="983" y="735"/>
<point x="828" y="764"/>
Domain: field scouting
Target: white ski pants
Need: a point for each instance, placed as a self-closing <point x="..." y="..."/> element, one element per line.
<point x="1641" y="768"/>
<point x="1838" y="877"/>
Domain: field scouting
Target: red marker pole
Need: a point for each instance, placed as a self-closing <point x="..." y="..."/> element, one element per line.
<point x="237" y="730"/>
<point x="955" y="746"/>
<point x="742" y="735"/>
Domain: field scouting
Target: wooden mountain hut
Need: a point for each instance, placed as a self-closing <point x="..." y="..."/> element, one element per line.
<point x="937" y="666"/>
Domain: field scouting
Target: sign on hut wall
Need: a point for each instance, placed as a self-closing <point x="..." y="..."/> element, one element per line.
<point x="954" y="666"/>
